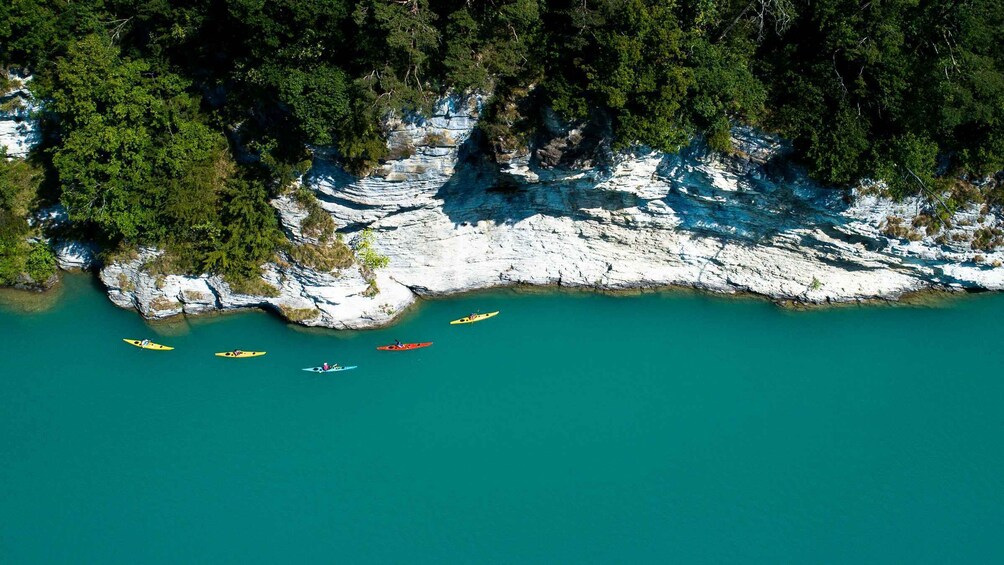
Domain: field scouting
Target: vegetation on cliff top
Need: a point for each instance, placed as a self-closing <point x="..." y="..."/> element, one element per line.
<point x="174" y="122"/>
<point x="22" y="263"/>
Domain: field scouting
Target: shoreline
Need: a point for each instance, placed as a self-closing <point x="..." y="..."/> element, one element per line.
<point x="651" y="222"/>
<point x="30" y="301"/>
<point x="20" y="301"/>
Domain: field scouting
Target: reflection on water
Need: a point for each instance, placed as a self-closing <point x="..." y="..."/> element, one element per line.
<point x="29" y="301"/>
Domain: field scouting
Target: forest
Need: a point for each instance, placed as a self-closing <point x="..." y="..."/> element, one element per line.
<point x="172" y="122"/>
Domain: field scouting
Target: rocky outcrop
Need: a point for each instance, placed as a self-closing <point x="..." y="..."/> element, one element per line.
<point x="452" y="221"/>
<point x="71" y="255"/>
<point x="335" y="300"/>
<point x="744" y="223"/>
<point x="18" y="129"/>
<point x="25" y="282"/>
<point x="74" y="255"/>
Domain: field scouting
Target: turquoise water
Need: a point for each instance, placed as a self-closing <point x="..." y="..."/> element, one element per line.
<point x="569" y="429"/>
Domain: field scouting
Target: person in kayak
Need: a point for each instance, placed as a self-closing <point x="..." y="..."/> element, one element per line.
<point x="145" y="342"/>
<point x="237" y="353"/>
<point x="398" y="344"/>
<point x="325" y="366"/>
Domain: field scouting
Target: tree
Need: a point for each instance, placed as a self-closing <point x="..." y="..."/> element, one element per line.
<point x="397" y="41"/>
<point x="19" y="184"/>
<point x="250" y="235"/>
<point x="129" y="136"/>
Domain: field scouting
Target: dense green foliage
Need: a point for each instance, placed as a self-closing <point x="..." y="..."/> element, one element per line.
<point x="887" y="86"/>
<point x="19" y="183"/>
<point x="133" y="149"/>
<point x="174" y="122"/>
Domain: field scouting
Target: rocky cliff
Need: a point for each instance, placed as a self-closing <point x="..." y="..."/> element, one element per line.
<point x="450" y="220"/>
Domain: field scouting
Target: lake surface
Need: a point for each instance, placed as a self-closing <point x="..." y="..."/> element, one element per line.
<point x="571" y="428"/>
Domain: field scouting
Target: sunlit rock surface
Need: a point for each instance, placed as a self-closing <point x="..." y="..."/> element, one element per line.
<point x="452" y="221"/>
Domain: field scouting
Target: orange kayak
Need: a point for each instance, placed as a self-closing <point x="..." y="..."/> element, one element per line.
<point x="404" y="346"/>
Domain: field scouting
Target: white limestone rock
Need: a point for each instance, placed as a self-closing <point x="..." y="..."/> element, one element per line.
<point x="745" y="223"/>
<point x="722" y="224"/>
<point x="304" y="296"/>
<point x="74" y="255"/>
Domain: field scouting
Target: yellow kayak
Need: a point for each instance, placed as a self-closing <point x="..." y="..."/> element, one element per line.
<point x="475" y="318"/>
<point x="148" y="345"/>
<point x="240" y="355"/>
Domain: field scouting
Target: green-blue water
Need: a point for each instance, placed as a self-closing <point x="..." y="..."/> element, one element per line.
<point x="569" y="429"/>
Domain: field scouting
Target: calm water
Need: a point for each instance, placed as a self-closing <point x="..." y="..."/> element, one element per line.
<point x="569" y="429"/>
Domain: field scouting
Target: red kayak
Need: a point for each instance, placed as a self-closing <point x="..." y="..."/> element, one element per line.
<point x="404" y="346"/>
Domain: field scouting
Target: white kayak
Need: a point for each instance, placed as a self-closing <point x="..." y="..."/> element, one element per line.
<point x="330" y="370"/>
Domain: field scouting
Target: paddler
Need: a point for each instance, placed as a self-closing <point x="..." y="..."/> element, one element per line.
<point x="325" y="366"/>
<point x="145" y="342"/>
<point x="237" y="353"/>
<point x="398" y="344"/>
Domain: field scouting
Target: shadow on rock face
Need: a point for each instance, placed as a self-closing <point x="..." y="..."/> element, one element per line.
<point x="746" y="200"/>
<point x="478" y="192"/>
<point x="748" y="204"/>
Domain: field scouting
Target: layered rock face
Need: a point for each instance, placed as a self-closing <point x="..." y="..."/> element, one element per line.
<point x="335" y="300"/>
<point x="451" y="221"/>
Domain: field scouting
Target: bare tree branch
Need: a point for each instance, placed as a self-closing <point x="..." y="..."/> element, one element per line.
<point x="928" y="190"/>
